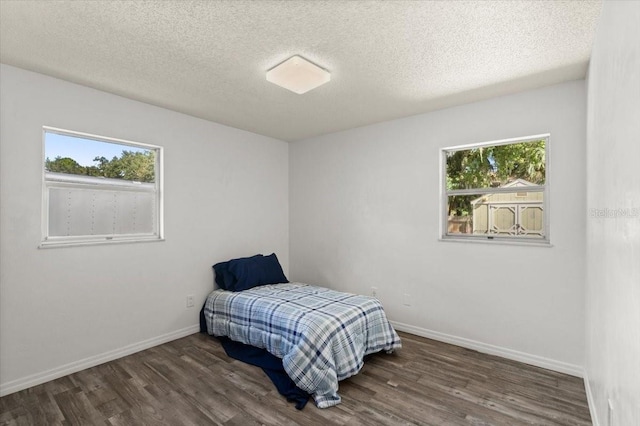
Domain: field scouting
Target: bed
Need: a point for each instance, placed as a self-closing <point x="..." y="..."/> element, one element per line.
<point x="321" y="335"/>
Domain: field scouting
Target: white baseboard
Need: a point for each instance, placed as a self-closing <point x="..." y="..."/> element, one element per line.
<point x="538" y="361"/>
<point x="73" y="367"/>
<point x="590" y="401"/>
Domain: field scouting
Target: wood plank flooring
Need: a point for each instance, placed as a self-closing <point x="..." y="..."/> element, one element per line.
<point x="191" y="381"/>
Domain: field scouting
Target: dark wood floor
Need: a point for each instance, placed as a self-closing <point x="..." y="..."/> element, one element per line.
<point x="191" y="381"/>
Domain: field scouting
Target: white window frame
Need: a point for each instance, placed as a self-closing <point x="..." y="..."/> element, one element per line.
<point x="494" y="239"/>
<point x="61" y="180"/>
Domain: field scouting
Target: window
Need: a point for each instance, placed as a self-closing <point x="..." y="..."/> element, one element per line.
<point x="99" y="190"/>
<point x="496" y="191"/>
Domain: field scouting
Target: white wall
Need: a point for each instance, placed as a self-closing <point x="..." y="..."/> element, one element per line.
<point x="364" y="212"/>
<point x="613" y="243"/>
<point x="226" y="195"/>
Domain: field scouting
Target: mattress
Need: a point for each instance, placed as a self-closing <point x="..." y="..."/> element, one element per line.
<point x="321" y="335"/>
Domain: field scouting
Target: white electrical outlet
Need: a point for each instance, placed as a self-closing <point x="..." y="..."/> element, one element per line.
<point x="374" y="291"/>
<point x="190" y="301"/>
<point x="406" y="300"/>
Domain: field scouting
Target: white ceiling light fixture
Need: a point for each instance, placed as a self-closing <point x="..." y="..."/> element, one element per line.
<point x="298" y="75"/>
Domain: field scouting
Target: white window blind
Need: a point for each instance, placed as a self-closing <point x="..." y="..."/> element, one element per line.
<point x="100" y="209"/>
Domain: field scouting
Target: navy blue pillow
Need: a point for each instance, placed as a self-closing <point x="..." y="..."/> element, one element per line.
<point x="273" y="273"/>
<point x="255" y="271"/>
<point x="223" y="277"/>
<point x="219" y="270"/>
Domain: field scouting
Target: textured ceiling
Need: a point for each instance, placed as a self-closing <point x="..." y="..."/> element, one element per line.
<point x="387" y="59"/>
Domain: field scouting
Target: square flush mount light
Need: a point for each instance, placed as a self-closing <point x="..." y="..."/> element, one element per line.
<point x="298" y="75"/>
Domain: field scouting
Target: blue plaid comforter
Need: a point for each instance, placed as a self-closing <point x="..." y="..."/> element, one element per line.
<point x="321" y="335"/>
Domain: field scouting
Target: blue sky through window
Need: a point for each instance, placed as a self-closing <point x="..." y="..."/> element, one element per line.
<point x="82" y="150"/>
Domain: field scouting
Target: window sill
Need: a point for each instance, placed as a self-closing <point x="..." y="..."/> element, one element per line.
<point x="497" y="241"/>
<point x="77" y="243"/>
